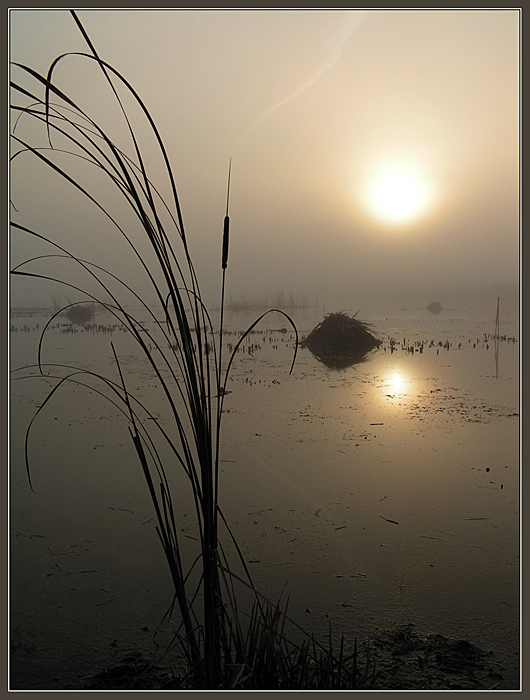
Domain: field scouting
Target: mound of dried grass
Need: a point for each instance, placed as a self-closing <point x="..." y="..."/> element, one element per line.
<point x="340" y="340"/>
<point x="435" y="307"/>
<point x="80" y="314"/>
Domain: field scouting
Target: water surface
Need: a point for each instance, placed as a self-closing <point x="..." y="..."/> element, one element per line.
<point x="382" y="494"/>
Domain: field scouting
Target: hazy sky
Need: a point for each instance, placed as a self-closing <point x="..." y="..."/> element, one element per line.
<point x="370" y="149"/>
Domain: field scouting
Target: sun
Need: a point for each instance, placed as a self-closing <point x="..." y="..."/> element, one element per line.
<point x="397" y="193"/>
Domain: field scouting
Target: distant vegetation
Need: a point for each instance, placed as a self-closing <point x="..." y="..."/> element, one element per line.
<point x="280" y="300"/>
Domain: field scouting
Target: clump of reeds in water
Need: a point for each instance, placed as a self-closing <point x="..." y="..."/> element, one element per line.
<point x="222" y="647"/>
<point x="340" y="340"/>
<point x="81" y="314"/>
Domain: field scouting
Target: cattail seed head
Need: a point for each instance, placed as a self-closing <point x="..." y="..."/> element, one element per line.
<point x="225" y="242"/>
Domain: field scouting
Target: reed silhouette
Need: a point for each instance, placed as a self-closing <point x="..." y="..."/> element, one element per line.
<point x="223" y="647"/>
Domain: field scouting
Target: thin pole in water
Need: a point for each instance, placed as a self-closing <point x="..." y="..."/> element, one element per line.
<point x="497" y="338"/>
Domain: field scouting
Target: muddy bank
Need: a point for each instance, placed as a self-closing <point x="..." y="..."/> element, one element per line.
<point x="393" y="659"/>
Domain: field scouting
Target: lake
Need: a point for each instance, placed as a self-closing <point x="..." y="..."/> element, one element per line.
<point x="382" y="494"/>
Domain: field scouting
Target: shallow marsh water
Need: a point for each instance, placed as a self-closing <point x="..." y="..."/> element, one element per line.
<point x="383" y="494"/>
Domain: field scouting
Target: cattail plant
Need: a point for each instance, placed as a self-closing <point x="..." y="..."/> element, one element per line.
<point x="182" y="346"/>
<point x="181" y="351"/>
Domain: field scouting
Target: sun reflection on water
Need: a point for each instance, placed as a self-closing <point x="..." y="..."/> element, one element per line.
<point x="396" y="381"/>
<point x="396" y="384"/>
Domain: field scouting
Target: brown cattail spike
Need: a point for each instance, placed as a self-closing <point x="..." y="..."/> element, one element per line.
<point x="225" y="242"/>
<point x="227" y="222"/>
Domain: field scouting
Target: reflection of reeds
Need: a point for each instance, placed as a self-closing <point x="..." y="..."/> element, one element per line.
<point x="179" y="348"/>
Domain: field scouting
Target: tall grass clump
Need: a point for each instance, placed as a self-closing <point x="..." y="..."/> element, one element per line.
<point x="222" y="648"/>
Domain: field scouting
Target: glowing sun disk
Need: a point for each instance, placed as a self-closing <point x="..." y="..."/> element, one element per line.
<point x="398" y="194"/>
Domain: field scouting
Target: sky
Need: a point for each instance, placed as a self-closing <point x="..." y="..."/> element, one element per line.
<point x="373" y="152"/>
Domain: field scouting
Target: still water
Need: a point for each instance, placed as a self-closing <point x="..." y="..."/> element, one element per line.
<point x="385" y="493"/>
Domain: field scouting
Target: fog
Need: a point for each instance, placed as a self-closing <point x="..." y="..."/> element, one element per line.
<point x="310" y="106"/>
